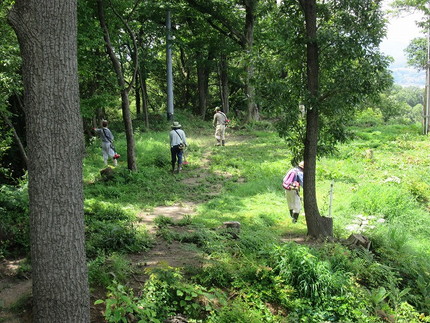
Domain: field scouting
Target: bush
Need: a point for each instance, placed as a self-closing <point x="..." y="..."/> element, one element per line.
<point x="103" y="269"/>
<point x="311" y="277"/>
<point x="15" y="222"/>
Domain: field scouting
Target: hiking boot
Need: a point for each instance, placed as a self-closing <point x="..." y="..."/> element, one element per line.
<point x="295" y="217"/>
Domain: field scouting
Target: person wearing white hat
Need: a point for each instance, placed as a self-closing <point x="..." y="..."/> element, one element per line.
<point x="220" y="121"/>
<point x="178" y="142"/>
<point x="292" y="182"/>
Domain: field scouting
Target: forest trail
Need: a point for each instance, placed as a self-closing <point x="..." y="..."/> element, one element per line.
<point x="15" y="289"/>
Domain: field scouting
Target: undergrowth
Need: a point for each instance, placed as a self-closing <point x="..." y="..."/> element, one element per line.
<point x="376" y="185"/>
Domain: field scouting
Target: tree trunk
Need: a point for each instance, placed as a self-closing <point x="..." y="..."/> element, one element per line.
<point x="223" y="83"/>
<point x="125" y="102"/>
<point x="318" y="226"/>
<point x="203" y="84"/>
<point x="138" y="99"/>
<point x="253" y="113"/>
<point x="47" y="34"/>
<point x="144" y="97"/>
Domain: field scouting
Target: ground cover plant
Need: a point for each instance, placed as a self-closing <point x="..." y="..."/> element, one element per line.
<point x="268" y="271"/>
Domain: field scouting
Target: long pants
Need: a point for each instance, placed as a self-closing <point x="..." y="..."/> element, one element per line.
<point x="176" y="155"/>
<point x="220" y="132"/>
<point x="107" y="152"/>
<point x="293" y="200"/>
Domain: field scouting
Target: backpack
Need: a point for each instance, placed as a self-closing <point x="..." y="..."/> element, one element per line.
<point x="289" y="182"/>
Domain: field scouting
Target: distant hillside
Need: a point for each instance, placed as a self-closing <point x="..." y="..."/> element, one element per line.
<point x="408" y="76"/>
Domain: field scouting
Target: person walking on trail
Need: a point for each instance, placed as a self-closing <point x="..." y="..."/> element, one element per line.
<point x="178" y="142"/>
<point x="292" y="182"/>
<point x="107" y="138"/>
<point x="220" y="121"/>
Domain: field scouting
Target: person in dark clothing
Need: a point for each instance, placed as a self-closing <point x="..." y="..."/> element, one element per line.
<point x="178" y="142"/>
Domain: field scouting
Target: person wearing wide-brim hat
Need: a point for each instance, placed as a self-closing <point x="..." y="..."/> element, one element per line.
<point x="178" y="142"/>
<point x="292" y="182"/>
<point x="107" y="139"/>
<point x="219" y="121"/>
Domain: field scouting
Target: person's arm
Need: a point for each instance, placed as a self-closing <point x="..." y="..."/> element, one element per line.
<point x="184" y="138"/>
<point x="215" y="119"/>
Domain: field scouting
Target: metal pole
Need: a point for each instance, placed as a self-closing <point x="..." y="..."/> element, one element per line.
<point x="169" y="68"/>
<point x="331" y="198"/>
<point x="427" y="103"/>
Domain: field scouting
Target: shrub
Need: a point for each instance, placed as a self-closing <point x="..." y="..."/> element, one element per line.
<point x="15" y="222"/>
<point x="164" y="294"/>
<point x="312" y="278"/>
<point x="104" y="269"/>
<point x="107" y="237"/>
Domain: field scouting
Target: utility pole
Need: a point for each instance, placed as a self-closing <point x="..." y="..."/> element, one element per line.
<point x="169" y="68"/>
<point x="427" y="103"/>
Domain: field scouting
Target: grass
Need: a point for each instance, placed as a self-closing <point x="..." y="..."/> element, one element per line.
<point x="242" y="182"/>
<point x="393" y="183"/>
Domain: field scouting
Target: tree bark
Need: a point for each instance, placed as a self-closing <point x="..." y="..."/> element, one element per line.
<point x="202" y="84"/>
<point x="47" y="35"/>
<point x="223" y="83"/>
<point x="125" y="102"/>
<point x="137" y="96"/>
<point x="317" y="225"/>
<point x="145" y="101"/>
<point x="253" y="113"/>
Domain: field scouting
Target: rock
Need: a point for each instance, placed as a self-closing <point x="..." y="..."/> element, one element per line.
<point x="179" y="318"/>
<point x="358" y="240"/>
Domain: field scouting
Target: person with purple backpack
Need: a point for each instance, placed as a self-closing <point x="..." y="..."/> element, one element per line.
<point x="292" y="182"/>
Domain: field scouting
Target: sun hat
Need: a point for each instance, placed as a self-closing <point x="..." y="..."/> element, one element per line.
<point x="176" y="124"/>
<point x="217" y="109"/>
<point x="302" y="164"/>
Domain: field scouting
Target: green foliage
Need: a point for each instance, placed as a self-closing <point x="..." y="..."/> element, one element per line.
<point x="389" y="200"/>
<point x="110" y="228"/>
<point x="15" y="222"/>
<point x="165" y="293"/>
<point x="243" y="309"/>
<point x="103" y="269"/>
<point x="416" y="53"/>
<point x="311" y="277"/>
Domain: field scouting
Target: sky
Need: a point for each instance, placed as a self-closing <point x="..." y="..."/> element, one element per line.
<point x="400" y="31"/>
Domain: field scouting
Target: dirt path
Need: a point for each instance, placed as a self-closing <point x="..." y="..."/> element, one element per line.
<point x="14" y="290"/>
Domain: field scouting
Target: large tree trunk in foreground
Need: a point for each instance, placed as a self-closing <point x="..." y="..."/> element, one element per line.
<point x="47" y="34"/>
<point x="318" y="226"/>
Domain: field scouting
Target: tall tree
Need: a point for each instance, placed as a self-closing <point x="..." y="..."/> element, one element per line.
<point x="338" y="63"/>
<point x="124" y="88"/>
<point x="47" y="34"/>
<point x="317" y="225"/>
<point x="225" y="17"/>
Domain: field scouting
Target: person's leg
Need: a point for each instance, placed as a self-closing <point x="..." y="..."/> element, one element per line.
<point x="105" y="152"/>
<point x="222" y="135"/>
<point x="218" y="135"/>
<point x="180" y="154"/>
<point x="297" y="207"/>
<point x="290" y="201"/>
